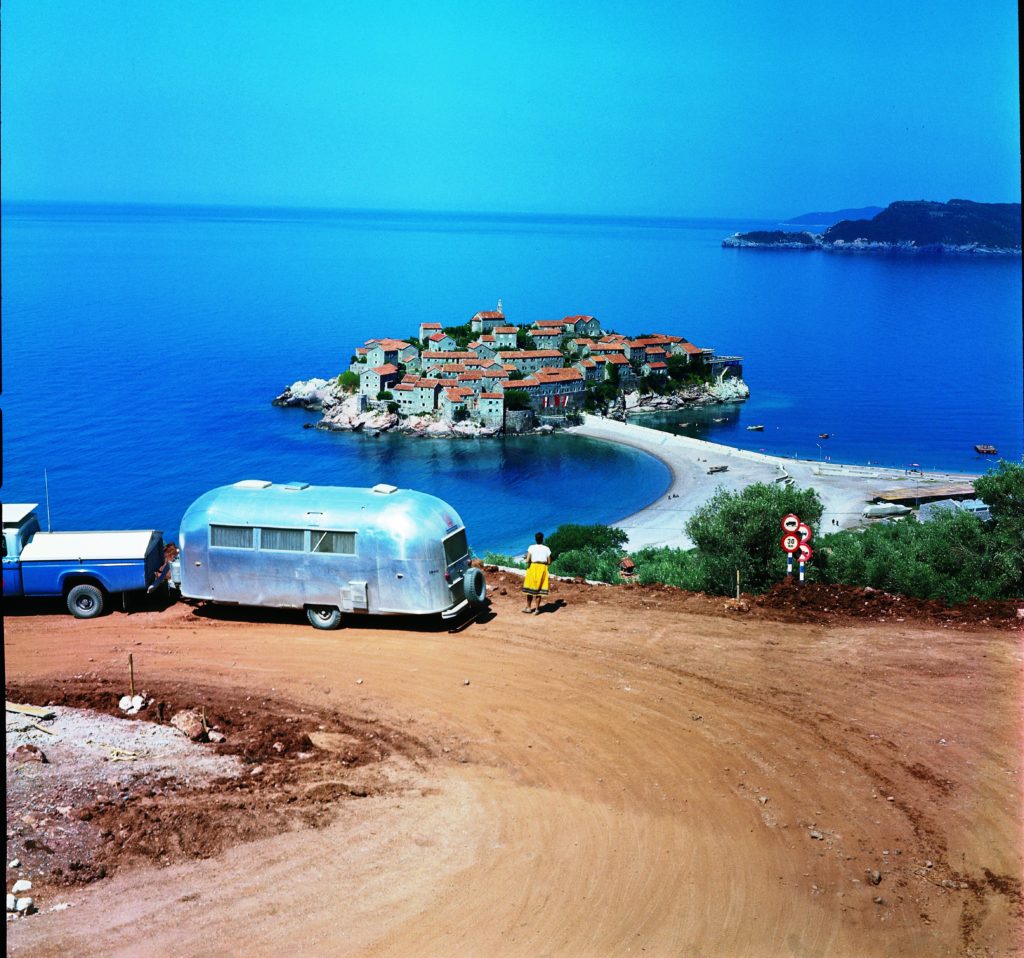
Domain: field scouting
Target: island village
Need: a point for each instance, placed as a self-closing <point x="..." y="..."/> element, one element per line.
<point x="489" y="376"/>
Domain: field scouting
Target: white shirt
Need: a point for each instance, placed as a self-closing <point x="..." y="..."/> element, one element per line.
<point x="538" y="553"/>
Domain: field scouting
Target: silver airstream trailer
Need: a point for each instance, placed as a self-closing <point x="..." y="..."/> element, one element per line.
<point x="327" y="549"/>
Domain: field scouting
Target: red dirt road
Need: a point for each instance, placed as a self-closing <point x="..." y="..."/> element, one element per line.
<point x="634" y="772"/>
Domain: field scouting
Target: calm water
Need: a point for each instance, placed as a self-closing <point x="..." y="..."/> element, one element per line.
<point x="142" y="347"/>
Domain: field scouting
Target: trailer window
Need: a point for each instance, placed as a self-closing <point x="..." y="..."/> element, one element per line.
<point x="231" y="537"/>
<point x="282" y="540"/>
<point x="334" y="543"/>
<point x="455" y="547"/>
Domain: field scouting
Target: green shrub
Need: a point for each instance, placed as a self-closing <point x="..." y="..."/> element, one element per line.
<point x="516" y="399"/>
<point x="499" y="558"/>
<point x="683" y="568"/>
<point x="348" y="381"/>
<point x="740" y="530"/>
<point x="384" y="394"/>
<point x="952" y="558"/>
<point x="588" y="563"/>
<point x="598" y="538"/>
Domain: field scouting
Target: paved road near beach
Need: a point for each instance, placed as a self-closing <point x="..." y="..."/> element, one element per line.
<point x="844" y="490"/>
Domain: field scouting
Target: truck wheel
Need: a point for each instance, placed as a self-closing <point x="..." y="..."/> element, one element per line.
<point x="324" y="617"/>
<point x="474" y="586"/>
<point x="85" y="601"/>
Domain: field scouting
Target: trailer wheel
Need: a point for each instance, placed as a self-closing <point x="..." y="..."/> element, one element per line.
<point x="85" y="601"/>
<point x="474" y="586"/>
<point x="324" y="616"/>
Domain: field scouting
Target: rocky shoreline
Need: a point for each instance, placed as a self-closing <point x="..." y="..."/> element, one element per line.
<point x="816" y="241"/>
<point x="345" y="412"/>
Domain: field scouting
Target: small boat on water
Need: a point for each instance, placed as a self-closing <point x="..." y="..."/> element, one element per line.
<point x="720" y="420"/>
<point x="984" y="450"/>
<point x="823" y="435"/>
<point x="756" y="428"/>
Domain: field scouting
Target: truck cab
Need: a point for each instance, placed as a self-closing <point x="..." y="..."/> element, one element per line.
<point x="20" y="523"/>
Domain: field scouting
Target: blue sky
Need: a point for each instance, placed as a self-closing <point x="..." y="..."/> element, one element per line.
<point x="676" y="109"/>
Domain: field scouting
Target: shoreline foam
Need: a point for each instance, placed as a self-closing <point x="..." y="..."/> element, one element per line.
<point x="844" y="489"/>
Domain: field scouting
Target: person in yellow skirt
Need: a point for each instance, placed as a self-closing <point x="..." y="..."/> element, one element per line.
<point x="535" y="585"/>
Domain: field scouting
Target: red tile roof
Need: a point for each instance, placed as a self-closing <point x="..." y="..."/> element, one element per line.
<point x="691" y="349"/>
<point x="429" y="354"/>
<point x="437" y="337"/>
<point x="405" y="387"/>
<point x="535" y="333"/>
<point x="456" y="393"/>
<point x="386" y="370"/>
<point x="530" y="354"/>
<point x="617" y="359"/>
<point x="658" y="365"/>
<point x="430" y="325"/>
<point x="560" y="323"/>
<point x="390" y="344"/>
<point x="575" y="319"/>
<point x="489" y="315"/>
<point x="470" y="377"/>
<point x="586" y="363"/>
<point x="551" y="375"/>
<point x="492" y="396"/>
<point x="506" y="329"/>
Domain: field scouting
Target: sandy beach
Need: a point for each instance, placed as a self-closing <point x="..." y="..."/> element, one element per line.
<point x="844" y="489"/>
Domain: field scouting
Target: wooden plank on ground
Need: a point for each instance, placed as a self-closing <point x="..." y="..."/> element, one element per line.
<point x="34" y="710"/>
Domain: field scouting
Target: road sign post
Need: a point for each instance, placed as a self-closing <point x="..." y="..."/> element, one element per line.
<point x="790" y="540"/>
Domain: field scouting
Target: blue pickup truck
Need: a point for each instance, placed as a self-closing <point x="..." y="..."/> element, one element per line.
<point x="84" y="568"/>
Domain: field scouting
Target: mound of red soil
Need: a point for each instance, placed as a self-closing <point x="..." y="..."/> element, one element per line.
<point x="82" y="829"/>
<point x="816" y="600"/>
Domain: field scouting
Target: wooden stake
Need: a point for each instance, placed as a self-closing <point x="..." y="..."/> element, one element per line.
<point x="131" y="675"/>
<point x="737" y="585"/>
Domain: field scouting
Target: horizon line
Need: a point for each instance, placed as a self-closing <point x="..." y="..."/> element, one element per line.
<point x="638" y="219"/>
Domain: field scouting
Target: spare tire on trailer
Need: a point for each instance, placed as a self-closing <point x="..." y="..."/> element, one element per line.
<point x="474" y="586"/>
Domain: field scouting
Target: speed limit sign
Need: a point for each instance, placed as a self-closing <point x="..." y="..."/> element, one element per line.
<point x="805" y="552"/>
<point x="790" y="542"/>
<point x="791" y="522"/>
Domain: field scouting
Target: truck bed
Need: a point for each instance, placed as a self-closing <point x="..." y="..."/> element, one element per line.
<point x="85" y="546"/>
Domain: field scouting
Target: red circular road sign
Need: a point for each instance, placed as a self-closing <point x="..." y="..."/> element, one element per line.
<point x="805" y="552"/>
<point x="790" y="542"/>
<point x="791" y="522"/>
<point x="804" y="531"/>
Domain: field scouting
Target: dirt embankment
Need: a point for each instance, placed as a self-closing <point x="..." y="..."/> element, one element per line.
<point x="634" y="770"/>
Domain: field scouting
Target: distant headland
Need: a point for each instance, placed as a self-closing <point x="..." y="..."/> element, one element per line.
<point x="835" y="216"/>
<point x="489" y="376"/>
<point x="907" y="226"/>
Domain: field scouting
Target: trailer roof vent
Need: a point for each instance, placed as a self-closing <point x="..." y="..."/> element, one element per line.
<point x="382" y="488"/>
<point x="253" y="484"/>
<point x="295" y="486"/>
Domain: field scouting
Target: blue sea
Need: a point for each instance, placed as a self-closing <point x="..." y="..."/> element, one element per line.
<point x="142" y="347"/>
